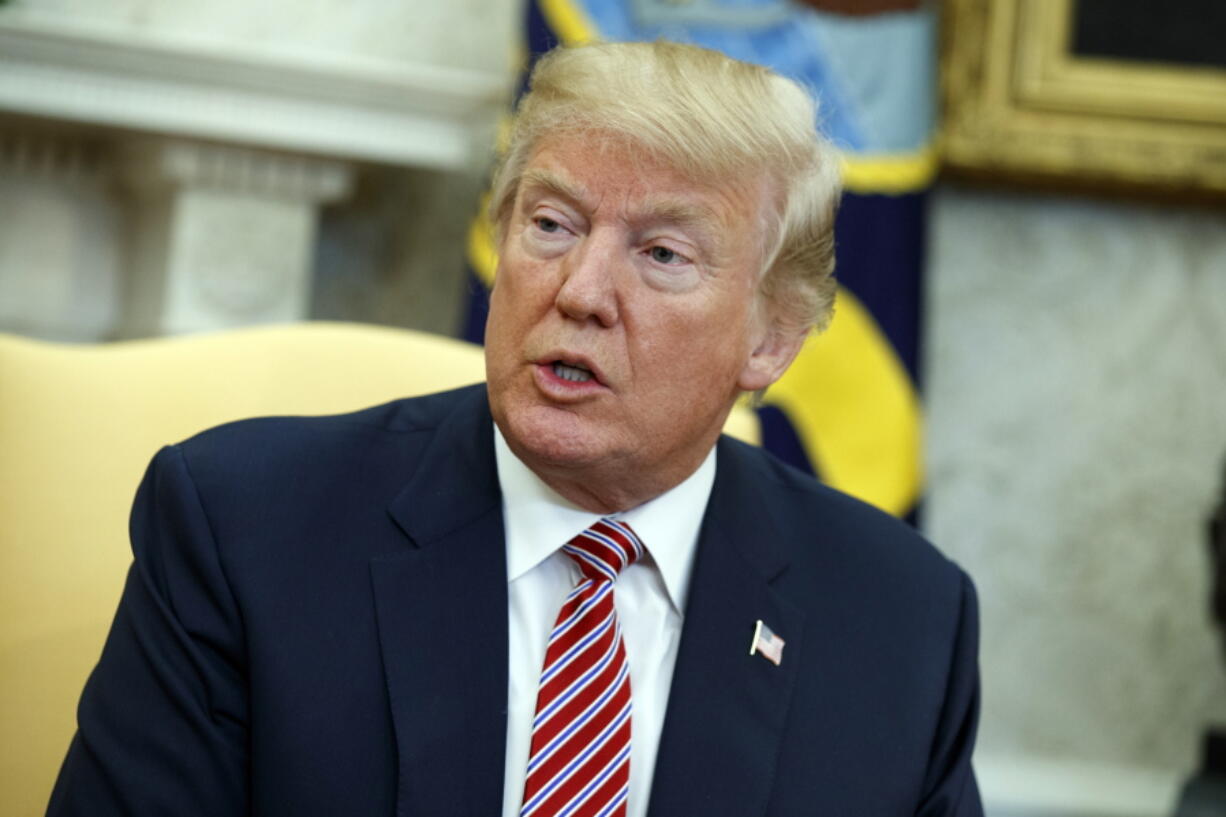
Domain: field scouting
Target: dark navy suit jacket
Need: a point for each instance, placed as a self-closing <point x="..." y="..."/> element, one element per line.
<point x="316" y="624"/>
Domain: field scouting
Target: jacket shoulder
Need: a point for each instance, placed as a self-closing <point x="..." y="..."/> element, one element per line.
<point x="405" y="415"/>
<point x="829" y="529"/>
<point x="298" y="459"/>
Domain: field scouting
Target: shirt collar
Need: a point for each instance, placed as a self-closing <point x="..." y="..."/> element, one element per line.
<point x="538" y="520"/>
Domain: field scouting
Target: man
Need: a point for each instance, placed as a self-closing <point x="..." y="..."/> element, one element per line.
<point x="562" y="593"/>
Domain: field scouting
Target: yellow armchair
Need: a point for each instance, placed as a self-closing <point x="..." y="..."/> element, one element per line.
<point x="78" y="424"/>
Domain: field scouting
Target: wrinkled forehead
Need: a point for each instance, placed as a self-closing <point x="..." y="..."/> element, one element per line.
<point x="587" y="167"/>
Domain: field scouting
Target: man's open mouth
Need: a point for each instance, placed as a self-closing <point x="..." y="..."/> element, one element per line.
<point x="572" y="372"/>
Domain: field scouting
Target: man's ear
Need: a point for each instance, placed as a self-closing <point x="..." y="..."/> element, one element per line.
<point x="770" y="358"/>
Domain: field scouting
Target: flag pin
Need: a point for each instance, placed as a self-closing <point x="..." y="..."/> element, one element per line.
<point x="765" y="642"/>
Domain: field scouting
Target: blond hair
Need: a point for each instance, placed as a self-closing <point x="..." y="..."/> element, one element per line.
<point x="710" y="117"/>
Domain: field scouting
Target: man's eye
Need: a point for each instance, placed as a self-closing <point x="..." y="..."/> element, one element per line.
<point x="664" y="255"/>
<point x="547" y="225"/>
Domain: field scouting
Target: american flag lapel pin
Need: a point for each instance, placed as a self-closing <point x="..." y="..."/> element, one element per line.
<point x="766" y="643"/>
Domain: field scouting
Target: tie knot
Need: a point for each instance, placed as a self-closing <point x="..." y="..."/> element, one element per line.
<point x="604" y="549"/>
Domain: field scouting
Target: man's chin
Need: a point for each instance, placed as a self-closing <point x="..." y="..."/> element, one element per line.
<point x="549" y="437"/>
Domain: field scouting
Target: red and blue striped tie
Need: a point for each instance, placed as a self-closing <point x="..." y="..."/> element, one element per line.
<point x="579" y="764"/>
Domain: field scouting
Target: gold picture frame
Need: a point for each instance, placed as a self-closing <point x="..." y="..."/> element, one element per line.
<point x="1019" y="103"/>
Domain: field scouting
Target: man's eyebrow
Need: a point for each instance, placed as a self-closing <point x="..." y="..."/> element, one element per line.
<point x="700" y="223"/>
<point x="703" y="221"/>
<point x="552" y="182"/>
<point x="681" y="213"/>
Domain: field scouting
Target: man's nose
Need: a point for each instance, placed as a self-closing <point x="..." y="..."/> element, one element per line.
<point x="589" y="289"/>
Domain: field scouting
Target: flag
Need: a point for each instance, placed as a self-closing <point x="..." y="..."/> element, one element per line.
<point x="766" y="643"/>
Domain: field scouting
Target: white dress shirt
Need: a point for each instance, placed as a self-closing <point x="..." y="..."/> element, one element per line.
<point x="649" y="595"/>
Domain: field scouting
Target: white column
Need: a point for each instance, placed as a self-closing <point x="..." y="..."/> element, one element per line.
<point x="221" y="236"/>
<point x="58" y="264"/>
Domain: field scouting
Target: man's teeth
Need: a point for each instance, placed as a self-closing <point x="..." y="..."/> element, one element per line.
<point x="575" y="374"/>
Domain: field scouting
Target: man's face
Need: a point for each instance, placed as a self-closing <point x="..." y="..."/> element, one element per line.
<point x="623" y="322"/>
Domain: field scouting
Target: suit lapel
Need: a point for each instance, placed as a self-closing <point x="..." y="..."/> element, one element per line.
<point x="442" y="617"/>
<point x="727" y="709"/>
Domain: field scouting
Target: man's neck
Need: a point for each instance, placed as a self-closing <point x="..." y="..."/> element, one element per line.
<point x="607" y="488"/>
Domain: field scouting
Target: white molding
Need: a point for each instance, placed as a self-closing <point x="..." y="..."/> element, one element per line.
<point x="64" y="157"/>
<point x="347" y="107"/>
<point x="1027" y="786"/>
<point x="161" y="163"/>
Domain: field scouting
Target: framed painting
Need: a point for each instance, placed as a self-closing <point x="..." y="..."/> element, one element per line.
<point x="1095" y="93"/>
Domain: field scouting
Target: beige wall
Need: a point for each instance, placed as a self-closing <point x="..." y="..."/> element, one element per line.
<point x="1076" y="399"/>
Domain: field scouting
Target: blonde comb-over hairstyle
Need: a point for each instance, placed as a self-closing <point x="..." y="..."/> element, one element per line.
<point x="713" y="118"/>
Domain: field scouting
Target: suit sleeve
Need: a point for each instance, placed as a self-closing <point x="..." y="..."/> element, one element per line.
<point x="950" y="788"/>
<point x="162" y="723"/>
